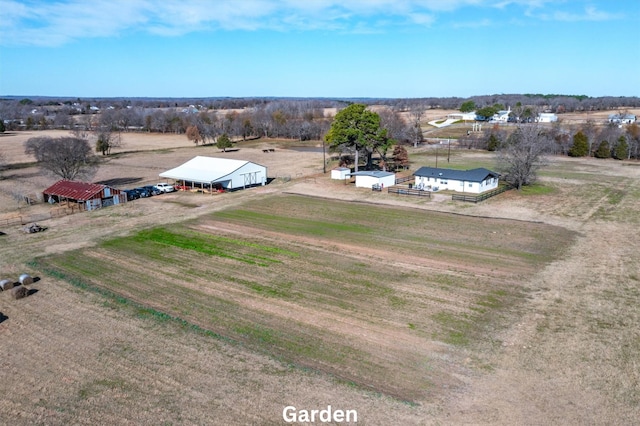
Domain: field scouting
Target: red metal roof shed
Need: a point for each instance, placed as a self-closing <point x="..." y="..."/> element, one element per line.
<point x="73" y="190"/>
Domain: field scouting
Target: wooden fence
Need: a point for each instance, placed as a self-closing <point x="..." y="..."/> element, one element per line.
<point x="481" y="197"/>
<point x="404" y="179"/>
<point x="19" y="220"/>
<point x="407" y="191"/>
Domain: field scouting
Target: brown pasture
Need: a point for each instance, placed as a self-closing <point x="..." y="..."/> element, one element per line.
<point x="565" y="353"/>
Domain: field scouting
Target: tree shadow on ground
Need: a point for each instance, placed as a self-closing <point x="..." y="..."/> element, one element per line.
<point x="120" y="181"/>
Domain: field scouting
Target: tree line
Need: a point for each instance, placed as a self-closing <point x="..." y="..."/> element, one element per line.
<point x="585" y="140"/>
<point x="272" y="117"/>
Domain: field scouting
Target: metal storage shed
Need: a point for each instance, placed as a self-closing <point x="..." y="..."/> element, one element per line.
<point x="368" y="179"/>
<point x="209" y="172"/>
<point x="88" y="196"/>
<point x="340" y="173"/>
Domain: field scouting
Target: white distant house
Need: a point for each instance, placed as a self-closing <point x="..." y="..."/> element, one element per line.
<point x="501" y="116"/>
<point x="465" y="116"/>
<point x="546" y="117"/>
<point x="211" y="172"/>
<point x="367" y="179"/>
<point x="473" y="181"/>
<point x="622" y="118"/>
<point x="340" y="173"/>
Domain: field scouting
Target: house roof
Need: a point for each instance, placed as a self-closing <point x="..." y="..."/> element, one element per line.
<point x="74" y="190"/>
<point x="473" y="175"/>
<point x="622" y="117"/>
<point x="372" y="173"/>
<point x="202" y="169"/>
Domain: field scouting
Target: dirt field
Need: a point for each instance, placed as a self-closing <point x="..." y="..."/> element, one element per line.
<point x="568" y="352"/>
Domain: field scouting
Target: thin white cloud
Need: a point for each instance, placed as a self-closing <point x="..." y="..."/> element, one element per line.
<point x="482" y="23"/>
<point x="590" y="14"/>
<point x="34" y="22"/>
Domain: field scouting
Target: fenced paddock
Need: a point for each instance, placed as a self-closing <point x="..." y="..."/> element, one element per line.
<point x="404" y="179"/>
<point x="480" y="197"/>
<point x="408" y="191"/>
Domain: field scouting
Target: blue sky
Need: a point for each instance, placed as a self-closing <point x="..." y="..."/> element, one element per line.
<point x="319" y="48"/>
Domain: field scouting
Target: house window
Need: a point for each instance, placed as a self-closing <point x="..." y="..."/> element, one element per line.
<point x="462" y="184"/>
<point x="470" y="185"/>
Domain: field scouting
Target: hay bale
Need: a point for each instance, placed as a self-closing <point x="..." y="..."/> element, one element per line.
<point x="20" y="292"/>
<point x="6" y="285"/>
<point x="25" y="279"/>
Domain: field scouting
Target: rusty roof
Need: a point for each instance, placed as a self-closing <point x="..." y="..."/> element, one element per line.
<point x="74" y="190"/>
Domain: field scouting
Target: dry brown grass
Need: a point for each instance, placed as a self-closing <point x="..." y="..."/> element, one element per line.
<point x="569" y="354"/>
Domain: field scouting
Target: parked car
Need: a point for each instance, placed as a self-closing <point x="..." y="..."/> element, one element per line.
<point x="152" y="189"/>
<point x="144" y="192"/>
<point x="131" y="194"/>
<point x="165" y="187"/>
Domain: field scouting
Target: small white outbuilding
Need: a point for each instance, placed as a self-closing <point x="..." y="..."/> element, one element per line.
<point x="367" y="179"/>
<point x="340" y="173"/>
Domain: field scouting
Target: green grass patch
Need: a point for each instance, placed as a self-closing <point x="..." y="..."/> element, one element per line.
<point x="537" y="189"/>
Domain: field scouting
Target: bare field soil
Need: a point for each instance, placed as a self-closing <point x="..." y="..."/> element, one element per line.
<point x="311" y="281"/>
<point x="546" y="334"/>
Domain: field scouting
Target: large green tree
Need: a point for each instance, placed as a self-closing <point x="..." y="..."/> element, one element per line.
<point x="356" y="128"/>
<point x="468" y="106"/>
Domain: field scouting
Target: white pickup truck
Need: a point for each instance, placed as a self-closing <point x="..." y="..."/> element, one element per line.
<point x="164" y="187"/>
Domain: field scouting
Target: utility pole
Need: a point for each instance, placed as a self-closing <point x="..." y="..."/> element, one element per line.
<point x="324" y="160"/>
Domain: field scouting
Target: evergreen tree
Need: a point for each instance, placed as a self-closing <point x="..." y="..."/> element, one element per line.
<point x="622" y="148"/>
<point x="603" y="150"/>
<point x="580" y="147"/>
<point x="493" y="143"/>
<point x="223" y="142"/>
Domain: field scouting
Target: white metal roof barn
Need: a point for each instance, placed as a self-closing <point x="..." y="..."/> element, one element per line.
<point x="214" y="172"/>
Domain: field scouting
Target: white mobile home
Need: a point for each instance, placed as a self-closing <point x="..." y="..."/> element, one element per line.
<point x="211" y="172"/>
<point x="547" y="117"/>
<point x="622" y="118"/>
<point x="473" y="181"/>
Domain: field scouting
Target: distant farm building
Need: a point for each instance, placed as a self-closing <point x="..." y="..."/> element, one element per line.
<point x="547" y="117"/>
<point x="501" y="116"/>
<point x="88" y="196"/>
<point x="622" y="118"/>
<point x="465" y="116"/>
<point x="367" y="179"/>
<point x="472" y="181"/>
<point x="210" y="172"/>
<point x="340" y="173"/>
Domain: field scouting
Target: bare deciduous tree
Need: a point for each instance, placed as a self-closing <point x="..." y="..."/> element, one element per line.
<point x="415" y="129"/>
<point x="522" y="154"/>
<point x="65" y="157"/>
<point x="193" y="134"/>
